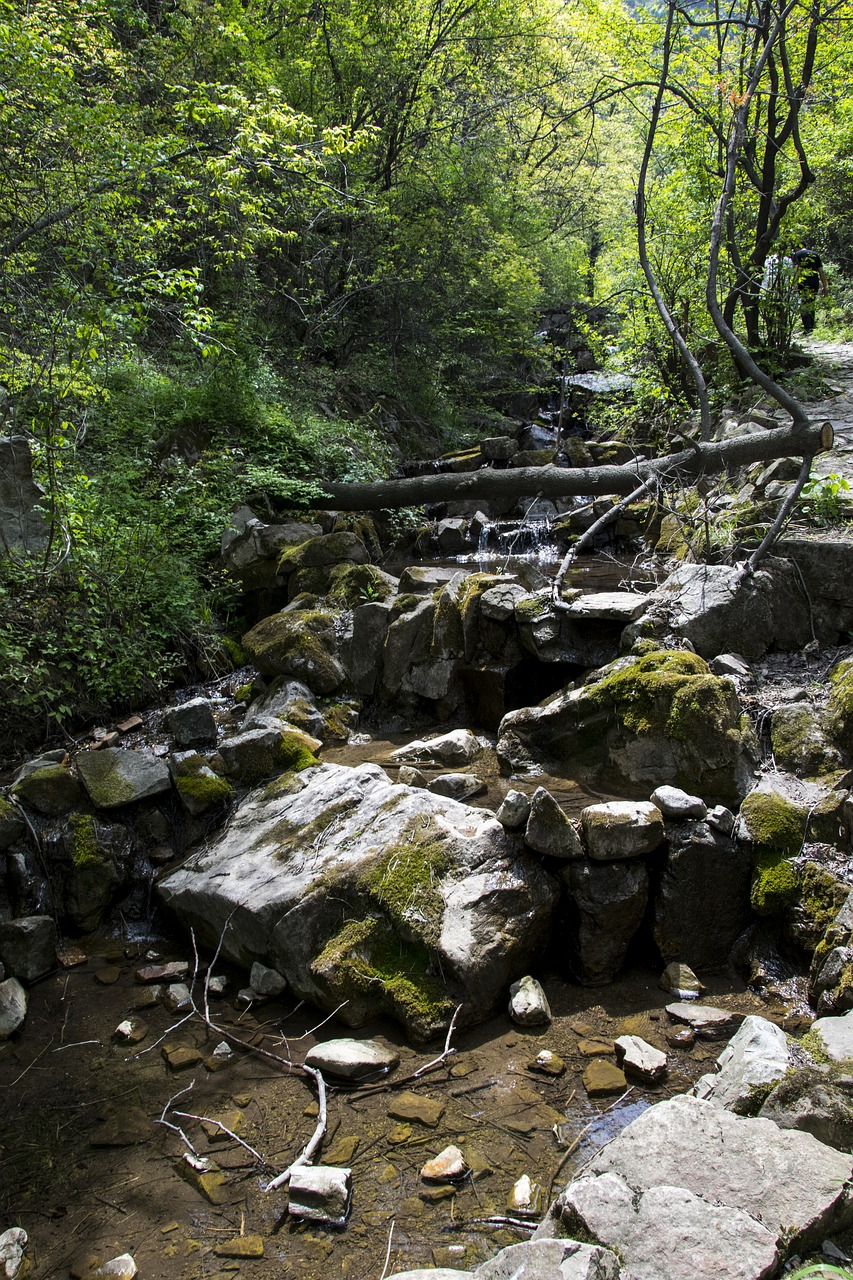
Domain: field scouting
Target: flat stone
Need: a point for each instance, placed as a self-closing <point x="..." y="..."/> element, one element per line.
<point x="551" y="1260"/>
<point x="352" y="1059"/>
<point x="177" y="998"/>
<point x="707" y="1022"/>
<point x="240" y="1247"/>
<point x="412" y="1106"/>
<point x="459" y="786"/>
<point x="125" y="1127"/>
<point x="173" y="971"/>
<point x="622" y="829"/>
<point x="215" y="1128"/>
<point x="181" y="1057"/>
<point x="447" y="1166"/>
<point x="320" y="1193"/>
<point x="343" y="1149"/>
<point x="601" y="1079"/>
<point x="614" y="606"/>
<point x="590" y="1048"/>
<point x="640" y="1059"/>
<point x="115" y="777"/>
<point x="108" y="976"/>
<point x="528" y="1004"/>
<point x="677" y="804"/>
<point x="122" y="1267"/>
<point x="460" y="746"/>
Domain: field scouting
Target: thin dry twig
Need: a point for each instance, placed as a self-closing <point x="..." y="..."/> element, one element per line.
<point x="188" y="1115"/>
<point x="433" y="1065"/>
<point x="167" y="1124"/>
<point x="388" y="1250"/>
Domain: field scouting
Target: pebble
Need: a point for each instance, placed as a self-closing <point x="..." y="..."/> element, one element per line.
<point x="342" y="1150"/>
<point x="204" y="1174"/>
<point x="266" y="981"/>
<point x="681" y="981"/>
<point x="594" y="1048"/>
<point x="548" y="1063"/>
<point x="320" y="1193"/>
<point x="528" y="1004"/>
<point x="177" y="998"/>
<point x="232" y="1120"/>
<point x="527" y="1196"/>
<point x="131" y="1030"/>
<point x="707" y="1022"/>
<point x="640" y="1059"/>
<point x="108" y="975"/>
<point x="447" y="1166"/>
<point x="12" y="1245"/>
<point x="69" y="957"/>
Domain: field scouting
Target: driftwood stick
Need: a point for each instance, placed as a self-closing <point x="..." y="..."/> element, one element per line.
<point x="591" y="533"/>
<point x="307" y="1153"/>
<point x="784" y="512"/>
<point x="188" y="1115"/>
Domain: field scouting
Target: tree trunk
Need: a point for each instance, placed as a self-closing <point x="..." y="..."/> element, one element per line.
<point x="559" y="482"/>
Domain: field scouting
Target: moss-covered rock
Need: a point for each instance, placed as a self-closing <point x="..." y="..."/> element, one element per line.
<point x="12" y="825"/>
<point x="774" y="884"/>
<point x="267" y="750"/>
<point x="820" y="897"/>
<point x="115" y="776"/>
<point x="92" y="866"/>
<point x="298" y="643"/>
<point x="800" y="742"/>
<point x="50" y="790"/>
<point x="658" y="717"/>
<point x="353" y="584"/>
<point x="321" y="552"/>
<point x="839" y="711"/>
<point x="772" y="824"/>
<point x="199" y="788"/>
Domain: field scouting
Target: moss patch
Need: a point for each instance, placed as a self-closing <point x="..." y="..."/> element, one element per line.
<point x="298" y="644"/>
<point x="840" y="706"/>
<point x="773" y="824"/>
<point x="774" y="885"/>
<point x="821" y="897"/>
<point x="404" y="882"/>
<point x="85" y="850"/>
<point x="206" y="789"/>
<point x="354" y="584"/>
<point x="293" y="754"/>
<point x="669" y="692"/>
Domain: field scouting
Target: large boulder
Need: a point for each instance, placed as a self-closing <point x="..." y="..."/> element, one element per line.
<point x="300" y="643"/>
<point x="708" y="604"/>
<point x="649" y="718"/>
<point x="711" y="1192"/>
<point x="28" y="946"/>
<point x="117" y="776"/>
<point x="701" y="866"/>
<point x="380" y="897"/>
<point x="756" y="1058"/>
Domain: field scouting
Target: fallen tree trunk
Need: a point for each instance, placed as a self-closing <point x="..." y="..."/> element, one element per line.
<point x="564" y="482"/>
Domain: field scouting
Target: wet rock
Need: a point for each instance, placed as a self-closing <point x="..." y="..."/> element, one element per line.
<point x="641" y="1060"/>
<point x="28" y="946"/>
<point x="547" y="1063"/>
<point x="817" y="1099"/>
<point x="447" y="1166"/>
<point x="108" y="976"/>
<point x="738" y="1191"/>
<point x="602" y="1078"/>
<point x="322" y="552"/>
<point x="514" y="810"/>
<point x="755" y="1059"/>
<point x="216" y="1128"/>
<point x="413" y="1106"/>
<point x="286" y="701"/>
<point x="320" y="1193"/>
<point x="458" y="747"/>
<point x="177" y="998"/>
<point x="117" y="776"/>
<point x="223" y="1055"/>
<point x="205" y="1175"/>
<point x="681" y="981"/>
<point x="527" y="1197"/>
<point x="440" y="879"/>
<point x="266" y="981"/>
<point x="799" y="739"/>
<point x="352" y="1059"/>
<point x="122" y="1267"/>
<point x="12" y="1245"/>
<point x="171" y="971"/>
<point x="13" y="1007"/>
<point x="621" y="829"/>
<point x="836" y="1037"/>
<point x="51" y="790"/>
<point x="549" y="830"/>
<point x="707" y="1022"/>
<point x="653" y="718"/>
<point x="192" y="723"/>
<point x="677" y="804"/>
<point x="423" y="579"/>
<point x="200" y="788"/>
<point x="607" y="903"/>
<point x="703" y="866"/>
<point x="459" y="786"/>
<point x="12" y="824"/>
<point x="240" y="1247"/>
<point x="528" y="1004"/>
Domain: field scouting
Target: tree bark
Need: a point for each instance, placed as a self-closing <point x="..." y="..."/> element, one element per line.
<point x="559" y="482"/>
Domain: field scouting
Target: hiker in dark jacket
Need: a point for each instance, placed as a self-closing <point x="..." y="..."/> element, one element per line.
<point x="810" y="279"/>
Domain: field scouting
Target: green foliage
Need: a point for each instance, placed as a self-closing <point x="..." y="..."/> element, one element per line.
<point x="822" y="502"/>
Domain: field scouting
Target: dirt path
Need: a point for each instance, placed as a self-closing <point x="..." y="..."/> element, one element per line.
<point x="836" y="363"/>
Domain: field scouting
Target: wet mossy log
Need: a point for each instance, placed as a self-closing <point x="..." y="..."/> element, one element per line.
<point x="561" y="482"/>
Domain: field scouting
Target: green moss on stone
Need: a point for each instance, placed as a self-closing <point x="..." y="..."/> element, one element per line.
<point x="293" y="754"/>
<point x="234" y="651"/>
<point x="85" y="850"/>
<point x="840" y="706"/>
<point x="204" y="788"/>
<point x="821" y="897"/>
<point x="532" y="608"/>
<point x="353" y="584"/>
<point x="773" y="823"/>
<point x="774" y="885"/>
<point x="668" y="692"/>
<point x="406" y="603"/>
<point x="404" y="881"/>
<point x="296" y="643"/>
